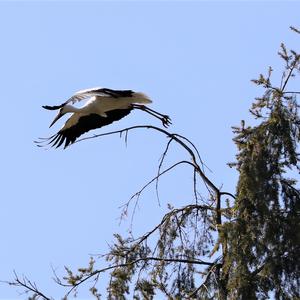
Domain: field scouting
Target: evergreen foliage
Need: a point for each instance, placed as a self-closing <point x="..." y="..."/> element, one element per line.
<point x="264" y="239"/>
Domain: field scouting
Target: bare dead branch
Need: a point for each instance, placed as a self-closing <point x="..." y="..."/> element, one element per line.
<point x="169" y="135"/>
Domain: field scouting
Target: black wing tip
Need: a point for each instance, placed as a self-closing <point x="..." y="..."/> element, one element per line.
<point x="48" y="142"/>
<point x="52" y="107"/>
<point x="58" y="140"/>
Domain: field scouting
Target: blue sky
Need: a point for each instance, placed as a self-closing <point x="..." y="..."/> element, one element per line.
<point x="194" y="59"/>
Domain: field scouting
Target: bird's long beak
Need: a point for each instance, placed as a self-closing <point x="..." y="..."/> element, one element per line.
<point x="59" y="115"/>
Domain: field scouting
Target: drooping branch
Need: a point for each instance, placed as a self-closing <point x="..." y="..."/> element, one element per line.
<point x="128" y="264"/>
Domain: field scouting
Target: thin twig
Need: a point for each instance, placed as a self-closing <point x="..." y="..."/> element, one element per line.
<point x="160" y="166"/>
<point x="138" y="193"/>
<point x="28" y="285"/>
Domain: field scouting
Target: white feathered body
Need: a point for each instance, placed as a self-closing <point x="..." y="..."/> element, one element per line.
<point x="102" y="104"/>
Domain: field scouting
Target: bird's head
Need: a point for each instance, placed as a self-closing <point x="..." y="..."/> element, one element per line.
<point x="65" y="109"/>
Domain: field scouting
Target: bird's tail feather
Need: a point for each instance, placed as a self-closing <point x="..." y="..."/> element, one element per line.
<point x="141" y="98"/>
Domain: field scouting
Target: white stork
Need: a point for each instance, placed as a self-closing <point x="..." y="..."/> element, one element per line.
<point x="103" y="107"/>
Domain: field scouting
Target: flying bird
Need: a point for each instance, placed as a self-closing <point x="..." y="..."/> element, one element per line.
<point x="104" y="106"/>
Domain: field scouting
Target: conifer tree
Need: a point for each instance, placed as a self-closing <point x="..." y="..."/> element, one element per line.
<point x="263" y="242"/>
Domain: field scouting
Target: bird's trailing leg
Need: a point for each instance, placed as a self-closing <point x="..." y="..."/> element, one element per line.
<point x="166" y="121"/>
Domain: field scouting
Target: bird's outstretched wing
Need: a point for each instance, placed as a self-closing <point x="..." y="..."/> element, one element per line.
<point x="85" y="123"/>
<point x="88" y="93"/>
